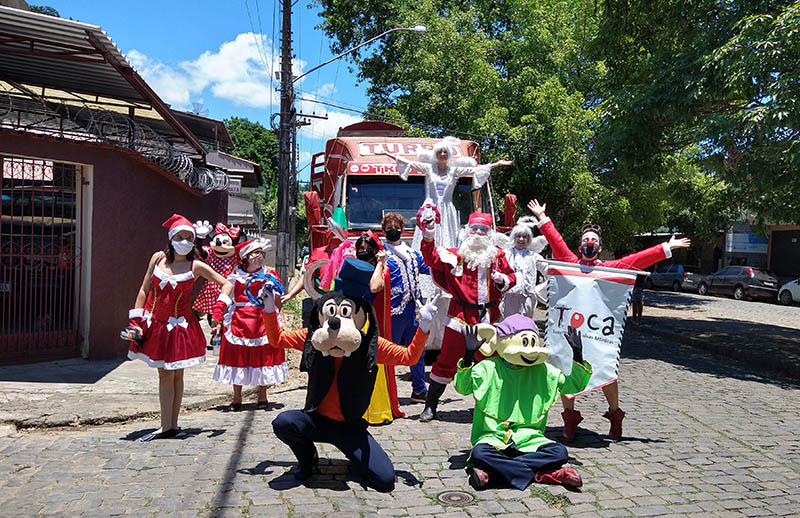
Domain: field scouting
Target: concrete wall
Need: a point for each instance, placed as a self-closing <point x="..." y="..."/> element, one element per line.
<point x="130" y="200"/>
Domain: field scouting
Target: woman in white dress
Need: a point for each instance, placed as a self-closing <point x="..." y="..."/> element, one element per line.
<point x="442" y="171"/>
<point x="523" y="252"/>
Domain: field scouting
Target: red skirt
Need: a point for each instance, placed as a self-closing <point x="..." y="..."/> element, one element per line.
<point x="171" y="345"/>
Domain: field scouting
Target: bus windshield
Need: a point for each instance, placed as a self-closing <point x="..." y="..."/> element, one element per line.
<point x="370" y="198"/>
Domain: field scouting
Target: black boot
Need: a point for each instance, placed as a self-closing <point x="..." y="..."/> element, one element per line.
<point x="435" y="391"/>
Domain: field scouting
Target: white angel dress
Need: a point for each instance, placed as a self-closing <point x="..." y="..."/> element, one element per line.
<point x="439" y="190"/>
<point x="522" y="298"/>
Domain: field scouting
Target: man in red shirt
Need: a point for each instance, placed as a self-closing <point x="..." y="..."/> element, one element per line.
<point x="589" y="249"/>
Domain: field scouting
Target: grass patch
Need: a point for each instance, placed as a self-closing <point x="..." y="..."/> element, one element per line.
<point x="555" y="501"/>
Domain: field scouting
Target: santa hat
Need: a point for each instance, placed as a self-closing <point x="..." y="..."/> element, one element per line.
<point x="176" y="223"/>
<point x="480" y="218"/>
<point x="242" y="249"/>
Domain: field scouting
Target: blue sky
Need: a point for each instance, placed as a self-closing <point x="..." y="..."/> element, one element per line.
<point x="219" y="53"/>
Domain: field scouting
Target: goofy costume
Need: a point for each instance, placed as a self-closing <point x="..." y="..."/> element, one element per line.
<point x="476" y="292"/>
<point x="341" y="351"/>
<point x="513" y="393"/>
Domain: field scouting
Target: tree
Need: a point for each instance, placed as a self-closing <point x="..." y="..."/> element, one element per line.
<point x="711" y="80"/>
<point x="635" y="114"/>
<point x="44" y="9"/>
<point x="252" y="141"/>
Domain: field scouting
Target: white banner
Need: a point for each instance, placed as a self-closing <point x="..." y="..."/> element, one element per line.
<point x="594" y="300"/>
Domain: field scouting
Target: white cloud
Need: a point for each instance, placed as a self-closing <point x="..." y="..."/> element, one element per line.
<point x="173" y="86"/>
<point x="239" y="71"/>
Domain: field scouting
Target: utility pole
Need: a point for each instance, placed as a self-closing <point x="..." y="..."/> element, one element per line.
<point x="284" y="245"/>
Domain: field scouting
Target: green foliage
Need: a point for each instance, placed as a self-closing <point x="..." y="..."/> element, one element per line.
<point x="635" y="114"/>
<point x="258" y="144"/>
<point x="45" y="9"/>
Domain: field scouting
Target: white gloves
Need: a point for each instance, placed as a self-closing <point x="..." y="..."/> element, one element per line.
<point x="500" y="279"/>
<point x="427" y="218"/>
<point x="265" y="296"/>
<point x="202" y="228"/>
<point x="427" y="313"/>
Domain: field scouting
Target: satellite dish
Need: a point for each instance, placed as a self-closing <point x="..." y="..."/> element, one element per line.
<point x="199" y="108"/>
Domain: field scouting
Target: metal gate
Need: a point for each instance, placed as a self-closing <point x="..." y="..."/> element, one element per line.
<point x="39" y="260"/>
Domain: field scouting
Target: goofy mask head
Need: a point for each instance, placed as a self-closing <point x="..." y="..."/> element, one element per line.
<point x="343" y="331"/>
<point x="590" y="245"/>
<point x="342" y="322"/>
<point x="515" y="339"/>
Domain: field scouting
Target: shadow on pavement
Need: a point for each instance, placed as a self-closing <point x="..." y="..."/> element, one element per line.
<point x="73" y="370"/>
<point x="675" y="300"/>
<point x="182" y="435"/>
<point x="262" y="468"/>
<point x="322" y="477"/>
<point x="756" y="352"/>
<point x="459" y="461"/>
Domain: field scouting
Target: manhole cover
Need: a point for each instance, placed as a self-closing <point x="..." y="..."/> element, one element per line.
<point x="455" y="498"/>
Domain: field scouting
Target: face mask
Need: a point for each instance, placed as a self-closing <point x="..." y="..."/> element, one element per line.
<point x="182" y="247"/>
<point x="589" y="251"/>
<point x="365" y="255"/>
<point x="393" y="234"/>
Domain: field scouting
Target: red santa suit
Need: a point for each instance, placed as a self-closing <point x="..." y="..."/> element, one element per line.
<point x="474" y="293"/>
<point x="245" y="356"/>
<point x="636" y="261"/>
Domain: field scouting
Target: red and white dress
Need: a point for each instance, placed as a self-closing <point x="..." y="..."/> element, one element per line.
<point x="172" y="336"/>
<point x="245" y="356"/>
<point x="210" y="293"/>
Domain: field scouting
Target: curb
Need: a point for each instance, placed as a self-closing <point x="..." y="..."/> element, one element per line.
<point x="750" y="356"/>
<point x="13" y="425"/>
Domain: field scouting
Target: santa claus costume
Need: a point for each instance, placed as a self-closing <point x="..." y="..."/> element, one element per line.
<point x="245" y="356"/>
<point x="221" y="258"/>
<point x="476" y="275"/>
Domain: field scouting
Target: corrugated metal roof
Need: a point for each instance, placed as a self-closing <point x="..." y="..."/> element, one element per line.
<point x="62" y="55"/>
<point x="49" y="52"/>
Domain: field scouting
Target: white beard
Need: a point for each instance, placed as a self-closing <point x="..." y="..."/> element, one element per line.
<point x="477" y="251"/>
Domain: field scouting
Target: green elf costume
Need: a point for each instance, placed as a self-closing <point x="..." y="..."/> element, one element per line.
<point x="513" y="393"/>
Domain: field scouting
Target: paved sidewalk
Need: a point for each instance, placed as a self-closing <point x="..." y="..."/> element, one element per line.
<point x="79" y="392"/>
<point x="701" y="438"/>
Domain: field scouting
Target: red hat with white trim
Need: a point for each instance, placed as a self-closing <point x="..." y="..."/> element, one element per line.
<point x="176" y="223"/>
<point x="480" y="218"/>
<point x="242" y="249"/>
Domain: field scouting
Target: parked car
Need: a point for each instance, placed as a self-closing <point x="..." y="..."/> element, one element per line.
<point x="676" y="277"/>
<point x="789" y="292"/>
<point x="741" y="282"/>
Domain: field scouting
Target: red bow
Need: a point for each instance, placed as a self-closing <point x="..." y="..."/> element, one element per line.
<point x="231" y="231"/>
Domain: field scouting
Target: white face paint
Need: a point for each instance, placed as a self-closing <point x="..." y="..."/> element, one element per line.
<point x="521" y="241"/>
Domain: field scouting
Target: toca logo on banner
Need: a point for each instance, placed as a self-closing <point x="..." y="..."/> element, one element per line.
<point x="593" y="300"/>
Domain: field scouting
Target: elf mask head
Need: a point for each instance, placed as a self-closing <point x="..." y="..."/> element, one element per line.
<point x="515" y="339"/>
<point x="590" y="245"/>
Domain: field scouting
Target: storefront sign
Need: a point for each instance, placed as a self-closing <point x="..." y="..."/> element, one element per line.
<point x="746" y="243"/>
<point x="235" y="187"/>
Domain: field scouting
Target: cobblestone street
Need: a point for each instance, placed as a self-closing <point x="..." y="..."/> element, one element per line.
<point x="699" y="438"/>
